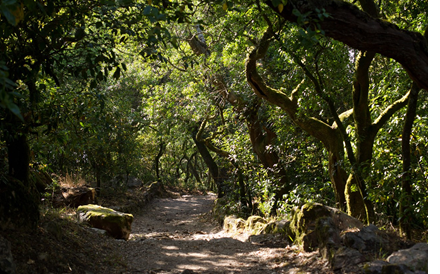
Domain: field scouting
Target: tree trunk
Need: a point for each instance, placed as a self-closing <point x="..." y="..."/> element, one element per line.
<point x="262" y="140"/>
<point x="18" y="158"/>
<point x="330" y="136"/>
<point x="162" y="147"/>
<point x="212" y="166"/>
<point x="405" y="199"/>
<point x="19" y="198"/>
<point x="193" y="169"/>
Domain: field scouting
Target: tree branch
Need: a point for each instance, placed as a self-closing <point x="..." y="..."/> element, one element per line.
<point x="359" y="30"/>
<point x="389" y="111"/>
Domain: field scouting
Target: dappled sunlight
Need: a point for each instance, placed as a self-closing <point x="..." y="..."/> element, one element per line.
<point x="169" y="237"/>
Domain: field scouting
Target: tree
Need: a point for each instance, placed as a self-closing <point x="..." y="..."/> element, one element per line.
<point x="366" y="130"/>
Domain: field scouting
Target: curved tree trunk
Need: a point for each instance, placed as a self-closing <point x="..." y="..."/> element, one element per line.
<point x="330" y="136"/>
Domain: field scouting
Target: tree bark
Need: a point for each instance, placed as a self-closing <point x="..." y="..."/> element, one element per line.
<point x="261" y="137"/>
<point x="162" y="147"/>
<point x="18" y="158"/>
<point x="405" y="200"/>
<point x="359" y="30"/>
<point x="212" y="165"/>
<point x="330" y="136"/>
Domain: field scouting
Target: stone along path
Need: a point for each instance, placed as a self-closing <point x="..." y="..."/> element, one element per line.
<point x="170" y="236"/>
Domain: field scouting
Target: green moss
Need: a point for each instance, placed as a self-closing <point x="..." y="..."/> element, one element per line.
<point x="304" y="221"/>
<point x="233" y="224"/>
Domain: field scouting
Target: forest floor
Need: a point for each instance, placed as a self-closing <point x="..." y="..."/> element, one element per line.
<point x="177" y="235"/>
<point x="169" y="235"/>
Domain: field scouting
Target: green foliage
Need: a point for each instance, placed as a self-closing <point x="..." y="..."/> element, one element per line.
<point x="114" y="88"/>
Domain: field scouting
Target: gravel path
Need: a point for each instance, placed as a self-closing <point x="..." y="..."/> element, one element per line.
<point x="171" y="236"/>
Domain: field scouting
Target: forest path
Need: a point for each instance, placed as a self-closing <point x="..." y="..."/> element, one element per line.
<point x="171" y="236"/>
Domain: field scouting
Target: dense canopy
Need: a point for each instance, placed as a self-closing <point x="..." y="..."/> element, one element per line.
<point x="271" y="104"/>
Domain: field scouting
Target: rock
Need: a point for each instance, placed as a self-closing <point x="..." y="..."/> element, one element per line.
<point x="234" y="224"/>
<point x="7" y="265"/>
<point x="74" y="196"/>
<point x="255" y="224"/>
<point x="155" y="189"/>
<point x="396" y="269"/>
<point x="311" y="233"/>
<point x="416" y="257"/>
<point x="277" y="227"/>
<point x="347" y="259"/>
<point x="188" y="271"/>
<point x="117" y="224"/>
<point x="406" y="261"/>
<point x="367" y="239"/>
<point x="328" y="238"/>
<point x="374" y="267"/>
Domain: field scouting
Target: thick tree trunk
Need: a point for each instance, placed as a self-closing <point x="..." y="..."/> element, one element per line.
<point x="18" y="158"/>
<point x="19" y="198"/>
<point x="359" y="30"/>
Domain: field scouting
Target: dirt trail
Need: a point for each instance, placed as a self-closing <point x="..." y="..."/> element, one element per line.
<point x="170" y="236"/>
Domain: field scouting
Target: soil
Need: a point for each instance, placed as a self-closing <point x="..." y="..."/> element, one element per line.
<point x="177" y="236"/>
<point x="169" y="235"/>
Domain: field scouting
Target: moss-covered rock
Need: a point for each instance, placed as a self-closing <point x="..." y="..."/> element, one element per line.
<point x="255" y="225"/>
<point x="304" y="222"/>
<point x="317" y="226"/>
<point x="234" y="224"/>
<point x="117" y="224"/>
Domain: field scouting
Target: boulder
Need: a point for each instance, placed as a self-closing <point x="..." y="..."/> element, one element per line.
<point x="74" y="196"/>
<point x="347" y="259"/>
<point x="384" y="267"/>
<point x="310" y="232"/>
<point x="117" y="224"/>
<point x="416" y="257"/>
<point x="7" y="265"/>
<point x="368" y="239"/>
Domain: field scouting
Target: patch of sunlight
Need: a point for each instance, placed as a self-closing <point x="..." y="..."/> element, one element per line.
<point x="170" y="247"/>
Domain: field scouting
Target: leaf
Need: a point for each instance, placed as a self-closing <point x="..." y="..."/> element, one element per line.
<point x="117" y="73"/>
<point x="225" y="6"/>
<point x="18" y="13"/>
<point x="80" y="33"/>
<point x="280" y="7"/>
<point x="9" y="16"/>
<point x="14" y="109"/>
